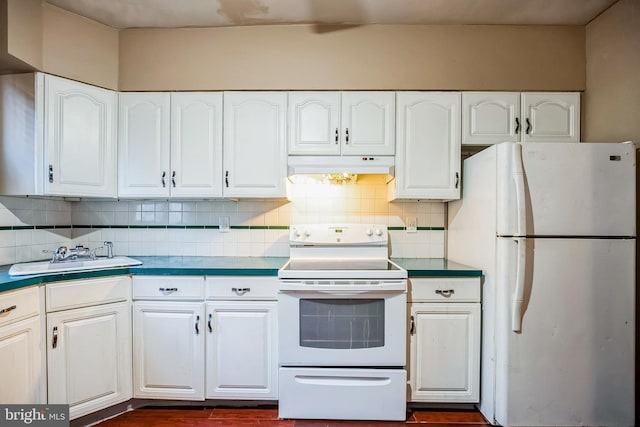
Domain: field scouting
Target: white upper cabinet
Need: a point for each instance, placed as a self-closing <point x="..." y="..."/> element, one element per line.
<point x="79" y="139"/>
<point x="255" y="144"/>
<point x="347" y="123"/>
<point x="196" y="144"/>
<point x="490" y="117"/>
<point x="428" y="146"/>
<point x="143" y="145"/>
<point x="494" y="117"/>
<point x="170" y="145"/>
<point x="550" y="117"/>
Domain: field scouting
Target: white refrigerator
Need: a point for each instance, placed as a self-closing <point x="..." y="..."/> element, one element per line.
<point x="553" y="227"/>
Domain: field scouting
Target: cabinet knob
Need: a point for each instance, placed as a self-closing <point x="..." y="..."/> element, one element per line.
<point x="412" y="326"/>
<point x="8" y="309"/>
<point x="54" y="341"/>
<point x="528" y="131"/>
<point x="517" y="126"/>
<point x="197" y="325"/>
<point x="346" y="136"/>
<point x="337" y="135"/>
<point x="164" y="184"/>
<point x="241" y="291"/>
<point x="445" y="292"/>
<point x="173" y="179"/>
<point x="209" y="325"/>
<point x="51" y="173"/>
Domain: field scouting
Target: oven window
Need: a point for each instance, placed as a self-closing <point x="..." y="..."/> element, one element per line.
<point x="342" y="323"/>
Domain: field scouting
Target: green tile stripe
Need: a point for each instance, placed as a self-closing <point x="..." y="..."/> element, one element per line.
<point x="35" y="227"/>
<point x="176" y="227"/>
<point x="419" y="228"/>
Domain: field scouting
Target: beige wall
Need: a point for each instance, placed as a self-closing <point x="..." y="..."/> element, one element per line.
<point x="24" y="31"/>
<point x="367" y="57"/>
<point x="612" y="96"/>
<point x="79" y="48"/>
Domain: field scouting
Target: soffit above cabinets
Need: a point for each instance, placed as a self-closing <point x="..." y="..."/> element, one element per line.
<point x="222" y="13"/>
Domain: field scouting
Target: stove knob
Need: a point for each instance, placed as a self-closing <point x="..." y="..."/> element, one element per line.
<point x="369" y="232"/>
<point x="378" y="232"/>
<point x="306" y="233"/>
<point x="296" y="233"/>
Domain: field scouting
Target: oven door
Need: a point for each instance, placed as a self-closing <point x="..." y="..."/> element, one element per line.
<point x="334" y="326"/>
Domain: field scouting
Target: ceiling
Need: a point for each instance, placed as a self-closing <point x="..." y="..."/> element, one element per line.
<point x="217" y="13"/>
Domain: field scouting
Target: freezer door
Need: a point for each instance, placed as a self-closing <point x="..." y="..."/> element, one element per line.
<point x="572" y="363"/>
<point x="585" y="189"/>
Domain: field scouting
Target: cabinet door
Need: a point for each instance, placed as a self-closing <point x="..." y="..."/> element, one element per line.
<point x="21" y="363"/>
<point x="490" y="117"/>
<point x="255" y="144"/>
<point x="241" y="350"/>
<point x="168" y="350"/>
<point x="89" y="357"/>
<point x="80" y="148"/>
<point x="428" y="146"/>
<point x="196" y="144"/>
<point x="551" y="117"/>
<point x="314" y="123"/>
<point x="445" y="352"/>
<point x="368" y="121"/>
<point x="143" y="145"/>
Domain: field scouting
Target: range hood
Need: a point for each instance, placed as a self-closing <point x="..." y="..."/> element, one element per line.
<point x="319" y="165"/>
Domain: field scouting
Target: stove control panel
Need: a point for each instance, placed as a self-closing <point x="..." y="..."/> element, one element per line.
<point x="338" y="234"/>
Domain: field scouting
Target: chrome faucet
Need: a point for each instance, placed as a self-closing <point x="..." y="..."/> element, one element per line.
<point x="109" y="246"/>
<point x="62" y="253"/>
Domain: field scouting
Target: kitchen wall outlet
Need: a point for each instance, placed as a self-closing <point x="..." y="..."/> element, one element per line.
<point x="412" y="224"/>
<point x="223" y="224"/>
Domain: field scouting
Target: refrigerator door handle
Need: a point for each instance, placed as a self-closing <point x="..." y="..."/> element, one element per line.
<point x="518" y="178"/>
<point x="517" y="303"/>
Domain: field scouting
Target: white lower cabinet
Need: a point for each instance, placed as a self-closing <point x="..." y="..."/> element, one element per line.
<point x="241" y="350"/>
<point x="187" y="349"/>
<point x="89" y="343"/>
<point x="168" y="350"/>
<point x="444" y="340"/>
<point x="22" y="367"/>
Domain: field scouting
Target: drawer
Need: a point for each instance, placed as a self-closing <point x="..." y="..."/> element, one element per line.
<point x="87" y="292"/>
<point x="19" y="304"/>
<point x="242" y="287"/>
<point x="188" y="288"/>
<point x="444" y="289"/>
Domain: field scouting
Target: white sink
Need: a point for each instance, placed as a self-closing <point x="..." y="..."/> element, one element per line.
<point x="40" y="267"/>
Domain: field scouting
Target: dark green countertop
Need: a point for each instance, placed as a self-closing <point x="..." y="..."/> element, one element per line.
<point x="230" y="266"/>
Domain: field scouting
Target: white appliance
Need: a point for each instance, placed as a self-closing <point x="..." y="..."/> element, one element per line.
<point x="341" y="325"/>
<point x="553" y="226"/>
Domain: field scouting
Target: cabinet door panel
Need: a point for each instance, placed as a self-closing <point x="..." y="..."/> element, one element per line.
<point x="196" y="144"/>
<point x="241" y="350"/>
<point x="143" y="145"/>
<point x="490" y="118"/>
<point x="551" y="117"/>
<point x="314" y="123"/>
<point x="445" y="352"/>
<point x="79" y="139"/>
<point x="255" y="144"/>
<point x="21" y="363"/>
<point x="168" y="350"/>
<point x="89" y="357"/>
<point x="368" y="121"/>
<point x="428" y="151"/>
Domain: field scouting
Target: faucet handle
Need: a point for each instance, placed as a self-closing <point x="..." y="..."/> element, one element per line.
<point x="109" y="246"/>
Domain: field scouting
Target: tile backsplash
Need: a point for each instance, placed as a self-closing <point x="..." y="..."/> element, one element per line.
<point x="190" y="228"/>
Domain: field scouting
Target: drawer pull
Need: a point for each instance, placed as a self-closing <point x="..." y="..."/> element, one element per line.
<point x="445" y="292"/>
<point x="54" y="342"/>
<point x="168" y="291"/>
<point x="241" y="291"/>
<point x="8" y="309"/>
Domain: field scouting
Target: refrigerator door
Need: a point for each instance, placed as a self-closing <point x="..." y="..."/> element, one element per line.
<point x="566" y="189"/>
<point x="572" y="363"/>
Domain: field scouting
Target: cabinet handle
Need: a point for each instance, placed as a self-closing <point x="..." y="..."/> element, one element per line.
<point x="457" y="179"/>
<point x="197" y="325"/>
<point x="173" y="179"/>
<point x="517" y="125"/>
<point x="412" y="326"/>
<point x="51" y="173"/>
<point x="209" y="323"/>
<point x="346" y="133"/>
<point x="528" y="126"/>
<point x="54" y="343"/>
<point x="337" y="135"/>
<point x="241" y="291"/>
<point x="226" y="179"/>
<point x="445" y="292"/>
<point x="167" y="291"/>
<point x="162" y="179"/>
<point x="8" y="309"/>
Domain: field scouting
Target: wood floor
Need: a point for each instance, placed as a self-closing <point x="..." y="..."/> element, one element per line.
<point x="268" y="417"/>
